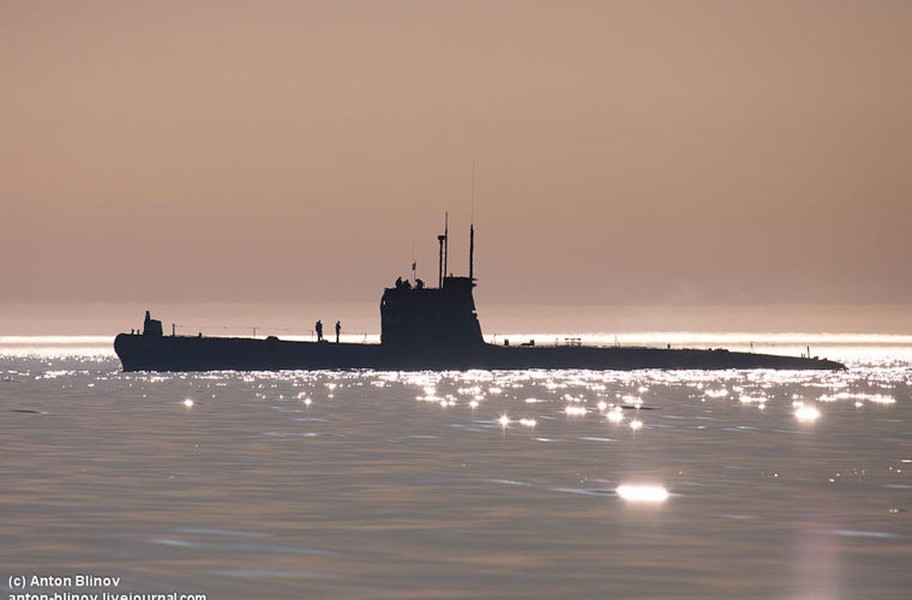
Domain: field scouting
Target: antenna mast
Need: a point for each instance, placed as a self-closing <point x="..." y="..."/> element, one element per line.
<point x="446" y="243"/>
<point x="441" y="261"/>
<point x="472" y="253"/>
<point x="472" y="228"/>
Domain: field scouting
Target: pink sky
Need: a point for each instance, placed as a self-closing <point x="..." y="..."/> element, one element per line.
<point x="627" y="152"/>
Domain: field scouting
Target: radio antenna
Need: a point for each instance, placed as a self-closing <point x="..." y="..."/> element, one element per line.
<point x="472" y="212"/>
<point x="472" y="228"/>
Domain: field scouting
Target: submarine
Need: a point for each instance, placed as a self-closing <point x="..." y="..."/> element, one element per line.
<point x="423" y="328"/>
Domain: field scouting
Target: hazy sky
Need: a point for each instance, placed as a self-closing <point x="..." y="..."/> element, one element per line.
<point x="661" y="152"/>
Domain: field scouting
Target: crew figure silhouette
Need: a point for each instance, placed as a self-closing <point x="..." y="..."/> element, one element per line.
<point x="338" y="330"/>
<point x="319" y="328"/>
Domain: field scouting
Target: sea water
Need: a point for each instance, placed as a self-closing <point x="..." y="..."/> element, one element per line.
<point x="513" y="484"/>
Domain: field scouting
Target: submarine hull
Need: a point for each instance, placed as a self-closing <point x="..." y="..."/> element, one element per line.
<point x="180" y="353"/>
<point x="629" y="358"/>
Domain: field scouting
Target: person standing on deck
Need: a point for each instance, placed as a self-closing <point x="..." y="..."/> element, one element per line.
<point x="338" y="330"/>
<point x="319" y="328"/>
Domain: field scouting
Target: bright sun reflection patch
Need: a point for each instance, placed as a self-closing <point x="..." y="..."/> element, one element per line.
<point x="807" y="413"/>
<point x="616" y="414"/>
<point x="859" y="398"/>
<point x="575" y="411"/>
<point x="748" y="399"/>
<point x="642" y="493"/>
<point x="188" y="402"/>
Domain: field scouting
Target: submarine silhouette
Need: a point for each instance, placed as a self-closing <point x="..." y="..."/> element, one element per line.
<point x="422" y="327"/>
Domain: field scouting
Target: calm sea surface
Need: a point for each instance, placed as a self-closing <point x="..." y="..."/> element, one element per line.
<point x="531" y="484"/>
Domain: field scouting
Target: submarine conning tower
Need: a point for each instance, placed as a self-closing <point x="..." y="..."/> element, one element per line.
<point x="152" y="327"/>
<point x="434" y="321"/>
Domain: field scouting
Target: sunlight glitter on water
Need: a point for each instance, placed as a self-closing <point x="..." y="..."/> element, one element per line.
<point x="651" y="494"/>
<point x="807" y="413"/>
<point x="615" y="415"/>
<point x="873" y="398"/>
<point x="575" y="411"/>
<point x="368" y="489"/>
